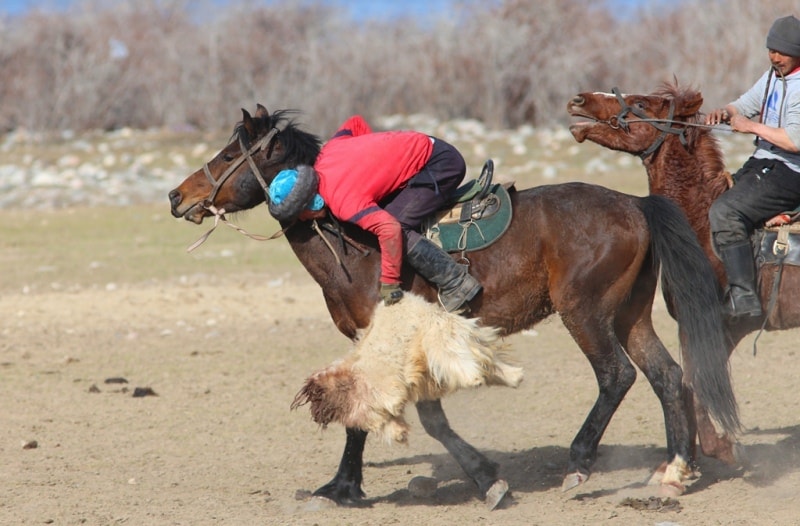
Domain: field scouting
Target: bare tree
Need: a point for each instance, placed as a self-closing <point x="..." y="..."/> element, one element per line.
<point x="146" y="63"/>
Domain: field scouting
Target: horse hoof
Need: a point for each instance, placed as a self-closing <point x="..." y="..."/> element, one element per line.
<point x="573" y="480"/>
<point x="346" y="494"/>
<point x="671" y="491"/>
<point x="496" y="494"/>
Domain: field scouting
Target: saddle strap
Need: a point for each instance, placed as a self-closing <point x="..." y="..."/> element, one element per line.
<point x="781" y="249"/>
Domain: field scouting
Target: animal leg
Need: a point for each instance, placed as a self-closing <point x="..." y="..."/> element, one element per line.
<point x="666" y="378"/>
<point x="479" y="468"/>
<point x="615" y="376"/>
<point x="345" y="487"/>
<point x="712" y="444"/>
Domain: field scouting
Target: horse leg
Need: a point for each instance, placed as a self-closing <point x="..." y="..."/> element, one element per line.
<point x="712" y="444"/>
<point x="345" y="487"/>
<point x="479" y="468"/>
<point x="615" y="376"/>
<point x="666" y="378"/>
<point x="722" y="447"/>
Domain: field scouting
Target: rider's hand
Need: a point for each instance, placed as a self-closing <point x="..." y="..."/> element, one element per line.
<point x="718" y="116"/>
<point x="391" y="293"/>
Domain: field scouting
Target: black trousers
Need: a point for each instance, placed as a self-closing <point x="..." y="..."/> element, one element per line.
<point x="763" y="189"/>
<point x="427" y="191"/>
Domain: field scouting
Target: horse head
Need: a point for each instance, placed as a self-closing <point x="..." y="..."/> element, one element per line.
<point x="637" y="124"/>
<point x="238" y="177"/>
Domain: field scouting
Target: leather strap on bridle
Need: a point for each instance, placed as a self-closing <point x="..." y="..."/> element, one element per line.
<point x="247" y="155"/>
<point x="219" y="214"/>
<point x="663" y="125"/>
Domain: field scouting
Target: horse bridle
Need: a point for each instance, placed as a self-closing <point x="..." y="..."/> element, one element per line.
<point x="266" y="142"/>
<point x="663" y="125"/>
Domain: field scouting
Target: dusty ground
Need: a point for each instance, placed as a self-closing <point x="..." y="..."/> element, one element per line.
<point x="219" y="445"/>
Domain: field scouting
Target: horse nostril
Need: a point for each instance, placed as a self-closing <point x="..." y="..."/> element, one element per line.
<point x="578" y="101"/>
<point x="174" y="198"/>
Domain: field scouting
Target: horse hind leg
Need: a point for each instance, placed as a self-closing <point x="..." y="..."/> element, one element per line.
<point x="479" y="468"/>
<point x="615" y="376"/>
<point x="666" y="378"/>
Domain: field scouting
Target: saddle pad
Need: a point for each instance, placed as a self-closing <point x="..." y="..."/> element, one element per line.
<point x="454" y="234"/>
<point x="766" y="253"/>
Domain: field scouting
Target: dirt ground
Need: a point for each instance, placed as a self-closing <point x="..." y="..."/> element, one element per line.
<point x="219" y="445"/>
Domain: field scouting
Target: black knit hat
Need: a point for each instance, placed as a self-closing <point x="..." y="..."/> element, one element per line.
<point x="784" y="36"/>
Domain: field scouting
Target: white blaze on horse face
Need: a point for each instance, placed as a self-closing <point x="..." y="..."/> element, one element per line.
<point x="607" y="95"/>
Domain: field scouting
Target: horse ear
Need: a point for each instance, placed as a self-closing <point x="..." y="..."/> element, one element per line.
<point x="247" y="122"/>
<point x="261" y="112"/>
<point x="689" y="104"/>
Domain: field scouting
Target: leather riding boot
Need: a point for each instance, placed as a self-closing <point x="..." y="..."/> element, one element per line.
<point x="741" y="299"/>
<point x="456" y="286"/>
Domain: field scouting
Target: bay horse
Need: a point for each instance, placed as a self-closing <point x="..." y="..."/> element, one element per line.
<point x="684" y="162"/>
<point x="591" y="254"/>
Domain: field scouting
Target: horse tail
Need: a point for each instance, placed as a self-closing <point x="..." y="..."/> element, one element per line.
<point x="688" y="279"/>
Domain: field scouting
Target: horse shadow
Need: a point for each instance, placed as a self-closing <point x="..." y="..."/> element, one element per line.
<point x="541" y="469"/>
<point x="533" y="470"/>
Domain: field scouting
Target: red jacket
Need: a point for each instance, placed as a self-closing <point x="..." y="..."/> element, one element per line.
<point x="358" y="168"/>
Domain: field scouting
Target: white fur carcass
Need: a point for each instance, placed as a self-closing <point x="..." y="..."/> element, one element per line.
<point x="413" y="350"/>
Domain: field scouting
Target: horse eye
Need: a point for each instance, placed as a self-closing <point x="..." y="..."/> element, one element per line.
<point x="227" y="157"/>
<point x="640" y="105"/>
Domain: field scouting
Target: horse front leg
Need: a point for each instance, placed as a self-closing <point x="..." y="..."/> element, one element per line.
<point x="345" y="487"/>
<point x="480" y="469"/>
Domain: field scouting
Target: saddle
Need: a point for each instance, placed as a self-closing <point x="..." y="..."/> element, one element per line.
<point x="776" y="245"/>
<point x="779" y="241"/>
<point x="478" y="214"/>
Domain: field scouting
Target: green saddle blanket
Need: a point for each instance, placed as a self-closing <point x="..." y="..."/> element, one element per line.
<point x="472" y="224"/>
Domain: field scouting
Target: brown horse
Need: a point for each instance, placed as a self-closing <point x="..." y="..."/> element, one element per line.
<point x="684" y="162"/>
<point x="589" y="253"/>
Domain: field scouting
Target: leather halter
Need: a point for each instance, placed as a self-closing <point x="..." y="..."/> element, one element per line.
<point x="247" y="155"/>
<point x="663" y="125"/>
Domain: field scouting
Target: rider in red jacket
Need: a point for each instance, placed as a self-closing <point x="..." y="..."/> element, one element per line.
<point x="387" y="183"/>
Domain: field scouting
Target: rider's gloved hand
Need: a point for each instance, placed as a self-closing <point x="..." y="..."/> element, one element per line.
<point x="391" y="293"/>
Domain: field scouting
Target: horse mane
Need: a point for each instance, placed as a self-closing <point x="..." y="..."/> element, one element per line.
<point x="300" y="147"/>
<point x="700" y="142"/>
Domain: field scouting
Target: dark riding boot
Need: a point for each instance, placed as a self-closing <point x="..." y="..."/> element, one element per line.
<point x="742" y="298"/>
<point x="456" y="286"/>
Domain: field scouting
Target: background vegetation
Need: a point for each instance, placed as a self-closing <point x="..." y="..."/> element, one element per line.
<point x="181" y="63"/>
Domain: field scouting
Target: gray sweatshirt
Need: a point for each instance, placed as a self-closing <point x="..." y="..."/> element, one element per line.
<point x="782" y="110"/>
